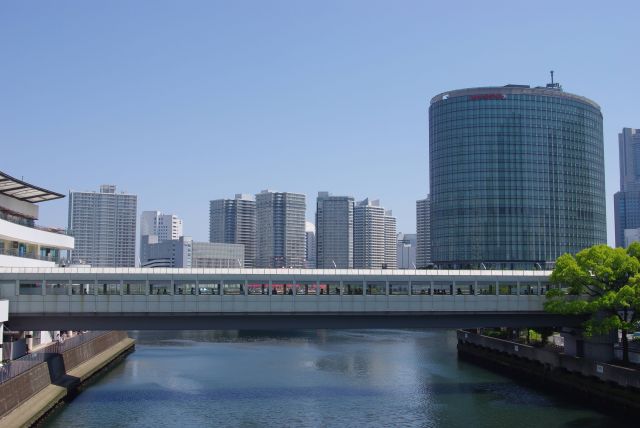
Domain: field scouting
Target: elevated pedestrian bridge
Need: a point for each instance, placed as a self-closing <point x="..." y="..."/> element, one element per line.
<point x="134" y="298"/>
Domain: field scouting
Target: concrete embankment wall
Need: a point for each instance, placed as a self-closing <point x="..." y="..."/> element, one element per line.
<point x="21" y="388"/>
<point x="605" y="386"/>
<point x="30" y="395"/>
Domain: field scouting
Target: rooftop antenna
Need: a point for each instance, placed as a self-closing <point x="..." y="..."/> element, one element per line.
<point x="553" y="85"/>
<point x="552" y="77"/>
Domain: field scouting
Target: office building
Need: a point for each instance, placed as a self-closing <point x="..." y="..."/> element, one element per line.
<point x="516" y="176"/>
<point x="627" y="200"/>
<point x="406" y="250"/>
<point x="157" y="227"/>
<point x="186" y="253"/>
<point x="423" y="235"/>
<point x="390" y="241"/>
<point x="310" y="245"/>
<point x="280" y="229"/>
<point x="233" y="221"/>
<point x="334" y="231"/>
<point x="104" y="227"/>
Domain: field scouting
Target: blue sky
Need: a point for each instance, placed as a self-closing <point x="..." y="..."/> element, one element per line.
<point x="181" y="102"/>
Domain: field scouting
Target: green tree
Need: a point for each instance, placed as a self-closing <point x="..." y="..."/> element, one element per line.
<point x="602" y="283"/>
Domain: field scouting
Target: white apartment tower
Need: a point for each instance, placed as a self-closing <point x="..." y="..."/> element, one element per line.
<point x="423" y="229"/>
<point x="280" y="229"/>
<point x="390" y="242"/>
<point x="334" y="231"/>
<point x="104" y="227"/>
<point x="233" y="221"/>
<point x="368" y="235"/>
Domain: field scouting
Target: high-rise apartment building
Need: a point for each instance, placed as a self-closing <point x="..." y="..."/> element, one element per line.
<point x="104" y="227"/>
<point x="390" y="241"/>
<point x="334" y="231"/>
<point x="423" y="229"/>
<point x="516" y="176"/>
<point x="233" y="221"/>
<point x="368" y="235"/>
<point x="280" y="229"/>
<point x="310" y="245"/>
<point x="627" y="200"/>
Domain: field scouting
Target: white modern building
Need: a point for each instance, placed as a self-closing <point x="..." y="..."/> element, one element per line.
<point x="233" y="221"/>
<point x="217" y="255"/>
<point x="187" y="253"/>
<point x="155" y="228"/>
<point x="390" y="241"/>
<point x="24" y="244"/>
<point x="406" y="250"/>
<point x="334" y="231"/>
<point x="368" y="235"/>
<point x="104" y="227"/>
<point x="423" y="229"/>
<point x="310" y="245"/>
<point x="170" y="253"/>
<point x="280" y="229"/>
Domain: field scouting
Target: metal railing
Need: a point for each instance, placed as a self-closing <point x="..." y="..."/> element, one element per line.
<point x="27" y="254"/>
<point x="20" y="365"/>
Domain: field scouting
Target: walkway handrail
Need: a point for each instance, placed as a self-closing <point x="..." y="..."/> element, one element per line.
<point x="20" y="365"/>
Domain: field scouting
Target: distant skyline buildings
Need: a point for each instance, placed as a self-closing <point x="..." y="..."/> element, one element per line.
<point x="310" y="245"/>
<point x="233" y="221"/>
<point x="374" y="236"/>
<point x="334" y="231"/>
<point x="406" y="250"/>
<point x="423" y="232"/>
<point x="104" y="227"/>
<point x="280" y="229"/>
<point x="156" y="227"/>
<point x="627" y="199"/>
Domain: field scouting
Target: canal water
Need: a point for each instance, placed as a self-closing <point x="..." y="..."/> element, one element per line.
<point x="347" y="378"/>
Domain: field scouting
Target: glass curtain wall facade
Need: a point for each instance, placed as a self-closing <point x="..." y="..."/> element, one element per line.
<point x="516" y="176"/>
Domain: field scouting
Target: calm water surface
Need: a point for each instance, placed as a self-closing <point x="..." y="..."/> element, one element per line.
<point x="392" y="378"/>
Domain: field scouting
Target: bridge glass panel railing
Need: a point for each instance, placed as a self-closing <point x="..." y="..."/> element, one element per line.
<point x="135" y="288"/>
<point x="161" y="287"/>
<point x="420" y="288"/>
<point x="329" y="288"/>
<point x="109" y="288"/>
<point x="486" y="288"/>
<point x="508" y="289"/>
<point x="306" y="288"/>
<point x="281" y="288"/>
<point x="259" y="287"/>
<point x="465" y="288"/>
<point x="209" y="287"/>
<point x="353" y="288"/>
<point x="30" y="287"/>
<point x="443" y="288"/>
<point x="82" y="287"/>
<point x="56" y="287"/>
<point x="185" y="287"/>
<point x="399" y="288"/>
<point x="233" y="288"/>
<point x="376" y="288"/>
<point x="529" y="288"/>
<point x="545" y="287"/>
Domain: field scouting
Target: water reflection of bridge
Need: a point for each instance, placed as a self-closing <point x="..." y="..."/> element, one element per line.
<point x="121" y="298"/>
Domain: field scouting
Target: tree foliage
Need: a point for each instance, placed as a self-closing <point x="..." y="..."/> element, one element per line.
<point x="601" y="282"/>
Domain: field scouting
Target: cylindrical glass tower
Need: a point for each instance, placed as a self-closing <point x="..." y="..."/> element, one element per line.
<point x="516" y="176"/>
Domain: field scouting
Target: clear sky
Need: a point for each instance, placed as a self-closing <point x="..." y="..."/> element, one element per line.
<point x="181" y="102"/>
